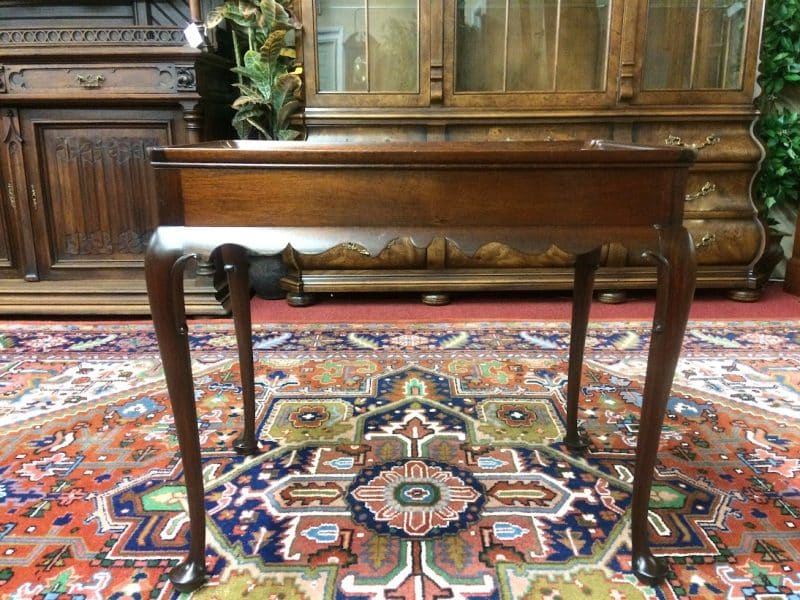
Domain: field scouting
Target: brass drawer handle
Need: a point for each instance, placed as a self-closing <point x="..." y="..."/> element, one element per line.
<point x="706" y="240"/>
<point x="90" y="81"/>
<point x="707" y="188"/>
<point x="674" y="140"/>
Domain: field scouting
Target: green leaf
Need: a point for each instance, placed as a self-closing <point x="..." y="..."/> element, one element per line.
<point x="215" y="17"/>
<point x="273" y="13"/>
<point x="255" y="124"/>
<point x="286" y="82"/>
<point x="258" y="72"/>
<point x="239" y="13"/>
<point x="243" y="100"/>
<point x="285" y="112"/>
<point x="271" y="49"/>
<point x="286" y="135"/>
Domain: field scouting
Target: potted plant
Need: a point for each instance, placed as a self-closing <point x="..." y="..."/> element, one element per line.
<point x="268" y="78"/>
<point x="778" y="182"/>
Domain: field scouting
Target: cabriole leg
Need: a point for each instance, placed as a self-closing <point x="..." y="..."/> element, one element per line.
<point x="585" y="267"/>
<point x="676" y="283"/>
<point x="164" y="273"/>
<point x="237" y="267"/>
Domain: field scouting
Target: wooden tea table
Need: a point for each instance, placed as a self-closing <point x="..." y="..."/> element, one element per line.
<point x="270" y="196"/>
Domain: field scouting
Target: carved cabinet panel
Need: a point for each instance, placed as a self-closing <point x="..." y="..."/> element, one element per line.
<point x="92" y="192"/>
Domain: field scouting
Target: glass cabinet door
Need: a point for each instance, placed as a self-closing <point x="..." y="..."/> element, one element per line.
<point x="521" y="47"/>
<point x="365" y="47"/>
<point x="697" y="51"/>
<point x="695" y="44"/>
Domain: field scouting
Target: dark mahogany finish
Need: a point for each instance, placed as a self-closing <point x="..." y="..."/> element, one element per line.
<point x="524" y="194"/>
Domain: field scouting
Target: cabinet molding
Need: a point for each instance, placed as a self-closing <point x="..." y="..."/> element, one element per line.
<point x="130" y="36"/>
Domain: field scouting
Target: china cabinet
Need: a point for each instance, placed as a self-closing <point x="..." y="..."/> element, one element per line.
<point x="663" y="72"/>
<point x="85" y="89"/>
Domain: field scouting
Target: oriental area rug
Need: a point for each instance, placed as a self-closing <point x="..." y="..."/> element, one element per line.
<point x="405" y="461"/>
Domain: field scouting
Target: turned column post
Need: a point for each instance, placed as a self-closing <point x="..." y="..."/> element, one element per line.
<point x="195" y="12"/>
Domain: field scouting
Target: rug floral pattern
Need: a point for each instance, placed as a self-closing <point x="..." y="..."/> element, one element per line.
<point x="418" y="461"/>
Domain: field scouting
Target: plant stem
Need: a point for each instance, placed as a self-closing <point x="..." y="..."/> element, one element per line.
<point x="236" y="51"/>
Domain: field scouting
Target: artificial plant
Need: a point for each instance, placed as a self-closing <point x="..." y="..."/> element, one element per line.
<point x="778" y="183"/>
<point x="268" y="79"/>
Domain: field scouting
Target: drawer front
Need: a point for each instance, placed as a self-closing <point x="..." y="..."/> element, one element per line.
<point x="722" y="242"/>
<point x="718" y="194"/>
<point x="714" y="140"/>
<point x="725" y="242"/>
<point x="93" y="79"/>
<point x="530" y="132"/>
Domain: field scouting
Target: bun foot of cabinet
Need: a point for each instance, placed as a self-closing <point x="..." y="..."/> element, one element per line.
<point x="435" y="299"/>
<point x="744" y="295"/>
<point x="300" y="299"/>
<point x="612" y="297"/>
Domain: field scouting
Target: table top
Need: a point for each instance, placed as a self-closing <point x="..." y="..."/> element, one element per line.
<point x="522" y="153"/>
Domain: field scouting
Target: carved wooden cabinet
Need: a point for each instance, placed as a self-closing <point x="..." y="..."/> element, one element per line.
<point x="85" y="89"/>
<point x="663" y="72"/>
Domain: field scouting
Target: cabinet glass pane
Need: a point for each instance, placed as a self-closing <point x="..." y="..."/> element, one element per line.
<point x="368" y="46"/>
<point x="531" y="45"/>
<point x="695" y="44"/>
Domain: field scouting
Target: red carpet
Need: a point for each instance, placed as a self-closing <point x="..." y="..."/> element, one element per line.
<point x="373" y="308"/>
